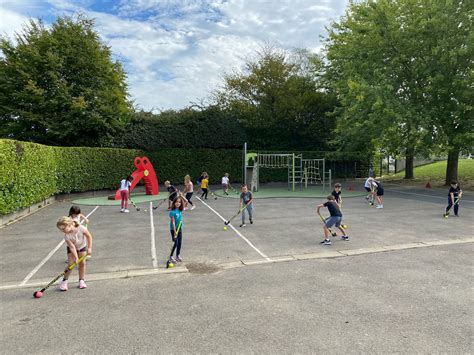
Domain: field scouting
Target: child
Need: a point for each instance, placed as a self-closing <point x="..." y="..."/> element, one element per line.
<point x="76" y="215"/>
<point x="246" y="198"/>
<point x="337" y="194"/>
<point x="78" y="240"/>
<point x="368" y="188"/>
<point x="225" y="183"/>
<point x="188" y="189"/>
<point x="176" y="217"/>
<point x="173" y="193"/>
<point x="204" y="186"/>
<point x="334" y="219"/>
<point x="125" y="185"/>
<point x="454" y="195"/>
<point x="377" y="186"/>
<point x="198" y="182"/>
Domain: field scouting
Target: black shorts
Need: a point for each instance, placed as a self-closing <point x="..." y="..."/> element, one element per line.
<point x="379" y="192"/>
<point x="80" y="251"/>
<point x="367" y="189"/>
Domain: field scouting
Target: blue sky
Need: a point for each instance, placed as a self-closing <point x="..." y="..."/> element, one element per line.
<point x="176" y="51"/>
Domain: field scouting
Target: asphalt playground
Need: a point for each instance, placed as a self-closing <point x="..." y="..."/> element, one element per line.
<point x="402" y="283"/>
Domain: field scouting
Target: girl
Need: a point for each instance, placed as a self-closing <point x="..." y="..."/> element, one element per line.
<point x="176" y="217"/>
<point x="76" y="215"/>
<point x="188" y="189"/>
<point x="204" y="186"/>
<point x="125" y="185"/>
<point x="78" y="240"/>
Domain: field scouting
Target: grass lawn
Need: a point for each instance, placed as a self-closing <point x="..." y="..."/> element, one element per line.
<point x="435" y="172"/>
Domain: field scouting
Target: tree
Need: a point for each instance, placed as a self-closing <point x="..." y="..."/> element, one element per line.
<point x="59" y="86"/>
<point x="278" y="102"/>
<point x="385" y="62"/>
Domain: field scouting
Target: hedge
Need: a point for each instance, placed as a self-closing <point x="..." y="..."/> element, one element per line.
<point x="31" y="172"/>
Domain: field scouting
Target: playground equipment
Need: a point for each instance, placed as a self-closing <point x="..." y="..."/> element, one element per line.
<point x="311" y="171"/>
<point x="146" y="172"/>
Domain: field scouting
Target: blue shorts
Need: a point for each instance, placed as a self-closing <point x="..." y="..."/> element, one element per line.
<point x="333" y="220"/>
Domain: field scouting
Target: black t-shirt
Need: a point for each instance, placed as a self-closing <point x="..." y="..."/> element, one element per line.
<point x="379" y="186"/>
<point x="454" y="190"/>
<point x="246" y="197"/>
<point x="333" y="208"/>
<point x="336" y="195"/>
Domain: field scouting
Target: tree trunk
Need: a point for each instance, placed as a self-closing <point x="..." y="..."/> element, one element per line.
<point x="409" y="164"/>
<point x="452" y="166"/>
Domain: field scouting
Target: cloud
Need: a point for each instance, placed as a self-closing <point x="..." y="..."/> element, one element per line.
<point x="176" y="51"/>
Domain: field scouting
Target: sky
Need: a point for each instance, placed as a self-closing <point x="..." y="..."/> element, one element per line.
<point x="175" y="52"/>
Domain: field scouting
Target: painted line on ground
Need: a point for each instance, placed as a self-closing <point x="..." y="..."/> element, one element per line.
<point x="426" y="195"/>
<point x="153" y="244"/>
<point x="235" y="230"/>
<point x="326" y="254"/>
<point x="51" y="253"/>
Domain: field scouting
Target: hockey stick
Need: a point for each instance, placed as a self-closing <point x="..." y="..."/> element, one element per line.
<point x="38" y="294"/>
<point x="324" y="222"/>
<point x="235" y="215"/>
<point x="446" y="214"/>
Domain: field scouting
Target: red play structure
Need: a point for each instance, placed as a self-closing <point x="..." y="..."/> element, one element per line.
<point x="146" y="172"/>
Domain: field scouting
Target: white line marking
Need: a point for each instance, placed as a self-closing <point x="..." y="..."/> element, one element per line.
<point x="235" y="230"/>
<point x="425" y="195"/>
<point x="51" y="253"/>
<point x="153" y="244"/>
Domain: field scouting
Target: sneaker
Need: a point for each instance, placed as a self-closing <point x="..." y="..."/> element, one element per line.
<point x="126" y="211"/>
<point x="251" y="221"/>
<point x="367" y="198"/>
<point x="82" y="284"/>
<point x="63" y="285"/>
<point x="122" y="210"/>
<point x="88" y="256"/>
<point x="345" y="237"/>
<point x="456" y="215"/>
<point x="243" y="225"/>
<point x="379" y="206"/>
<point x="178" y="258"/>
<point x="326" y="242"/>
<point x="192" y="208"/>
<point x="185" y="209"/>
<point x="172" y="259"/>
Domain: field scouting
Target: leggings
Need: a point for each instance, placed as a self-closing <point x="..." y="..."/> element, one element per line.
<point x="204" y="192"/>
<point x="188" y="197"/>
<point x="177" y="242"/>
<point x="124" y="196"/>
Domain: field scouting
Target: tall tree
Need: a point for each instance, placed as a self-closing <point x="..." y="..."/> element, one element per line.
<point x="386" y="62"/>
<point x="60" y="86"/>
<point x="277" y="100"/>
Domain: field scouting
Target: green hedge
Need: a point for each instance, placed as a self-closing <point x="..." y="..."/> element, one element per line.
<point x="31" y="172"/>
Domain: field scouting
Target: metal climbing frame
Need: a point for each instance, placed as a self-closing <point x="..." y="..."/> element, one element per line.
<point x="293" y="162"/>
<point x="314" y="173"/>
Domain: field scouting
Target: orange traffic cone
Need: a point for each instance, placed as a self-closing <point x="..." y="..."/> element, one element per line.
<point x="428" y="185"/>
<point x="350" y="188"/>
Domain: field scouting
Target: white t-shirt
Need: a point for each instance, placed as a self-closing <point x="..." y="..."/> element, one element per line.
<point x="125" y="184"/>
<point x="225" y="180"/>
<point x="77" y="238"/>
<point x="367" y="182"/>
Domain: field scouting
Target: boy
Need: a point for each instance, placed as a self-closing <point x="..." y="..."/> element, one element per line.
<point x="173" y="193"/>
<point x="379" y="192"/>
<point x="225" y="183"/>
<point x="335" y="218"/>
<point x="337" y="194"/>
<point x="246" y="199"/>
<point x="454" y="195"/>
<point x="204" y="186"/>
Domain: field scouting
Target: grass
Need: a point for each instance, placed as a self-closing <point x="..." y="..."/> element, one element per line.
<point x="436" y="172"/>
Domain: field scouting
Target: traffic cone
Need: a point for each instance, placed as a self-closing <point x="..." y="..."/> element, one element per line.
<point x="428" y="185"/>
<point x="350" y="188"/>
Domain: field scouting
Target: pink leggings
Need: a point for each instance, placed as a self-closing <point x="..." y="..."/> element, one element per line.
<point x="124" y="196"/>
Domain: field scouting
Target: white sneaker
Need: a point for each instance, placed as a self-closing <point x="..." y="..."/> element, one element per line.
<point x="82" y="284"/>
<point x="122" y="209"/>
<point x="126" y="211"/>
<point x="192" y="208"/>
<point x="379" y="206"/>
<point x="63" y="285"/>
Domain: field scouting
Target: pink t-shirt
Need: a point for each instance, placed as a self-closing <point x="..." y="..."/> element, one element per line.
<point x="77" y="237"/>
<point x="189" y="187"/>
